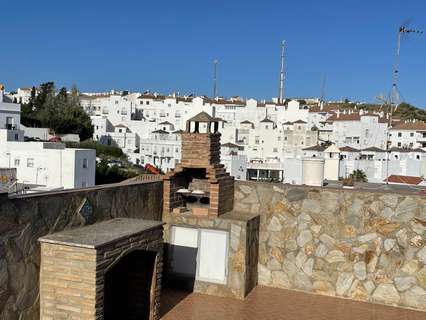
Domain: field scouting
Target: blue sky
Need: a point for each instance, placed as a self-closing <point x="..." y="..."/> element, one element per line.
<point x="170" y="45"/>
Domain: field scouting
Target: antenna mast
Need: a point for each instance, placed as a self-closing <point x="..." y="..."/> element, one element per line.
<point x="394" y="100"/>
<point x="323" y="82"/>
<point x="215" y="62"/>
<point x="281" y="88"/>
<point x="395" y="95"/>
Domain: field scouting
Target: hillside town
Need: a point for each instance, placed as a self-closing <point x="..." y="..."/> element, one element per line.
<point x="261" y="140"/>
<point x="236" y="160"/>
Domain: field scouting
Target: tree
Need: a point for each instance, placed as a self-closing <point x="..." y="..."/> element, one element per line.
<point x="60" y="111"/>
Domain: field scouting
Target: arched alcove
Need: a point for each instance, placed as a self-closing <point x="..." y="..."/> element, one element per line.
<point x="128" y="287"/>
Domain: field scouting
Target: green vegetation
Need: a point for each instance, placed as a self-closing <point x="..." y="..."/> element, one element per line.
<point x="359" y="176"/>
<point x="107" y="173"/>
<point x="58" y="110"/>
<point x="113" y="165"/>
<point x="102" y="150"/>
<point x="405" y="111"/>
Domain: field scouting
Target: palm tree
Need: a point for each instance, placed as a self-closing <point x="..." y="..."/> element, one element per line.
<point x="359" y="176"/>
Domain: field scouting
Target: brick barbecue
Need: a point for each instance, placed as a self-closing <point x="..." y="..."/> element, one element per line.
<point x="109" y="270"/>
<point x="200" y="183"/>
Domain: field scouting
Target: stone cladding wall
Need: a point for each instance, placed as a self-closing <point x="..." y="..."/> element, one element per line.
<point x="242" y="251"/>
<point x="368" y="246"/>
<point x="25" y="219"/>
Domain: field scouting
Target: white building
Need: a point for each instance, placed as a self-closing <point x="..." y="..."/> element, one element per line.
<point x="273" y="138"/>
<point x="377" y="164"/>
<point x="49" y="165"/>
<point x="408" y="135"/>
<point x="298" y="135"/>
<point x="45" y="165"/>
<point x="10" y="119"/>
<point x="161" y="149"/>
<point x="22" y="95"/>
<point x="234" y="159"/>
<point x="117" y="108"/>
<point x="358" y="130"/>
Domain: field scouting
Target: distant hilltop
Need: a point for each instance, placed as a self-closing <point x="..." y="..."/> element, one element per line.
<point x="404" y="111"/>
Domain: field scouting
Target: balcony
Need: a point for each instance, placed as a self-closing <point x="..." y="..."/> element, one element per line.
<point x="266" y="166"/>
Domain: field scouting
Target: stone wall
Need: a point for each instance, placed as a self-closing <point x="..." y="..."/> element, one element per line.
<point x="367" y="246"/>
<point x="242" y="252"/>
<point x="25" y="219"/>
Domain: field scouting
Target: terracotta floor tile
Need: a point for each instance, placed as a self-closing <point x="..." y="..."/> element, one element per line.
<point x="275" y="304"/>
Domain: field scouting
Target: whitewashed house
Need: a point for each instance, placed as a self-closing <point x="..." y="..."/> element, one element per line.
<point x="44" y="165"/>
<point x="408" y="135"/>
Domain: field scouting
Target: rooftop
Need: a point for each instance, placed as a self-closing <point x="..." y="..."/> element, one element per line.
<point x="405" y="179"/>
<point x="160" y="131"/>
<point x="267" y="120"/>
<point x="202" y="117"/>
<point x="418" y="125"/>
<point x="276" y="304"/>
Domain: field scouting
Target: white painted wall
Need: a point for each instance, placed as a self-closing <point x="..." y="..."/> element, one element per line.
<point x="49" y="164"/>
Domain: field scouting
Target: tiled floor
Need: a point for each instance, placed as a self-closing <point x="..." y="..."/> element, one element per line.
<point x="274" y="304"/>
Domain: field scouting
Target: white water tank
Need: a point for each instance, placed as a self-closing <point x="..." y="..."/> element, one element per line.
<point x="313" y="172"/>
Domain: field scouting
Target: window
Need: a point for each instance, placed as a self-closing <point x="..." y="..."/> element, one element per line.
<point x="266" y="127"/>
<point x="418" y="157"/>
<point x="85" y="163"/>
<point x="399" y="144"/>
<point x="399" y="134"/>
<point x="120" y="130"/>
<point x="30" y="162"/>
<point x="147" y="102"/>
<point x="16" y="137"/>
<point x="275" y="150"/>
<point x="411" y="134"/>
<point x="17" y="162"/>
<point x="256" y="140"/>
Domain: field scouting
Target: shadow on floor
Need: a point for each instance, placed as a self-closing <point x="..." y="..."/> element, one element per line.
<point x="170" y="298"/>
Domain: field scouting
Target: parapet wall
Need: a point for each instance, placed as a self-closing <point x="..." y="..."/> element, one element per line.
<point x="25" y="219"/>
<point x="367" y="246"/>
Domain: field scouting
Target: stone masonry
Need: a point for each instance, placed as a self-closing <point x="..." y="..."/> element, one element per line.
<point x="368" y="246"/>
<point x="74" y="264"/>
<point x="243" y="251"/>
<point x="24" y="219"/>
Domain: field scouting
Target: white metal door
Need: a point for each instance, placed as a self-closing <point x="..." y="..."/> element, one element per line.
<point x="183" y="252"/>
<point x="212" y="256"/>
